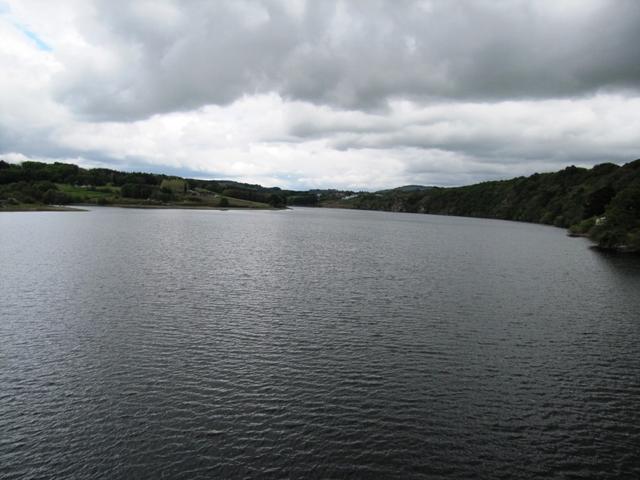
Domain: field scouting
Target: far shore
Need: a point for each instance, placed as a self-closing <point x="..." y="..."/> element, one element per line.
<point x="174" y="207"/>
<point x="81" y="207"/>
<point x="40" y="208"/>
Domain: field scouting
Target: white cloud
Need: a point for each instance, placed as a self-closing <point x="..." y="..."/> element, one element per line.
<point x="322" y="94"/>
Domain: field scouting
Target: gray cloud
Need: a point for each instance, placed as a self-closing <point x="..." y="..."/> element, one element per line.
<point x="350" y="94"/>
<point x="586" y="130"/>
<point x="356" y="55"/>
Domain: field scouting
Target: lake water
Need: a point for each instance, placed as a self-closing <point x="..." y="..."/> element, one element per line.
<point x="313" y="343"/>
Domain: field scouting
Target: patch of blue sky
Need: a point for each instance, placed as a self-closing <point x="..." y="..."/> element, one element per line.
<point x="31" y="35"/>
<point x="37" y="41"/>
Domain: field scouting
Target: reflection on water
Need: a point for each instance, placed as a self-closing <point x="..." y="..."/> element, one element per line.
<point x="313" y="343"/>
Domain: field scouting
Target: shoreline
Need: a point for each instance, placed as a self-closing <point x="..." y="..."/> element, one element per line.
<point x="41" y="208"/>
<point x="618" y="249"/>
<point x="78" y="207"/>
<point x="183" y="207"/>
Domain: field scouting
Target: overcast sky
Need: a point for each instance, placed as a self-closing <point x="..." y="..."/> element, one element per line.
<point x="302" y="94"/>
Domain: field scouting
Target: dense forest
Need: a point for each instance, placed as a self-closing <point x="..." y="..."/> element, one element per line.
<point x="602" y="203"/>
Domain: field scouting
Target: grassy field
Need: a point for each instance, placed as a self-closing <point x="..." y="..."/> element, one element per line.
<point x="112" y="196"/>
<point x="67" y="194"/>
<point x="88" y="194"/>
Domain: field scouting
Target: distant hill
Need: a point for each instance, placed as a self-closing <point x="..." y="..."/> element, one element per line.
<point x="602" y="203"/>
<point x="407" y="188"/>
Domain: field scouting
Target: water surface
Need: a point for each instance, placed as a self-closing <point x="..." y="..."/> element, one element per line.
<point x="313" y="343"/>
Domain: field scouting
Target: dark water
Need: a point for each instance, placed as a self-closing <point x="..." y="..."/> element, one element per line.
<point x="313" y="344"/>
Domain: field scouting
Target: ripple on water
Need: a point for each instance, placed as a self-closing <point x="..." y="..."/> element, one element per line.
<point x="313" y="343"/>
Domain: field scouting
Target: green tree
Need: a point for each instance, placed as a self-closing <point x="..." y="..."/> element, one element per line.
<point x="277" y="201"/>
<point x="597" y="201"/>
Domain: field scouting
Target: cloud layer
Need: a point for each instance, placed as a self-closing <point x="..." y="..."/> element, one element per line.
<point x="359" y="94"/>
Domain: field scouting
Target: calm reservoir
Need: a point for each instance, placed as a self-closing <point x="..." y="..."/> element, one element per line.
<point x="313" y="343"/>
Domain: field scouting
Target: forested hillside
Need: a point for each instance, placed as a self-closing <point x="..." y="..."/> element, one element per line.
<point x="602" y="202"/>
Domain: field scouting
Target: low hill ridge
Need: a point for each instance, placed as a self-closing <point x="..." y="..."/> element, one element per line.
<point x="602" y="203"/>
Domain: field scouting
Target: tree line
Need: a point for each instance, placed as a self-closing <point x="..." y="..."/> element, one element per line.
<point x="37" y="182"/>
<point x="602" y="202"/>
